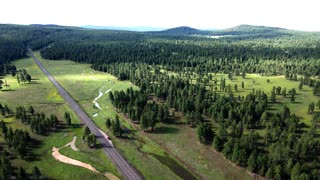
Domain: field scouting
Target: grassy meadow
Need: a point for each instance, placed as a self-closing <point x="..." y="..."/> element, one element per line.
<point x="141" y="149"/>
<point x="42" y="95"/>
<point x="84" y="84"/>
<point x="156" y="155"/>
<point x="257" y="82"/>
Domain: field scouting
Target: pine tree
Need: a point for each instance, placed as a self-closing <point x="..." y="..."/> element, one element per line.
<point x="36" y="173"/>
<point x="278" y="173"/>
<point x="295" y="172"/>
<point x="311" y="108"/>
<point x="273" y="97"/>
<point x="92" y="140"/>
<point x="22" y="175"/>
<point x="252" y="164"/>
<point x="300" y="85"/>
<point x="292" y="98"/>
<point x="216" y="143"/>
<point x="67" y="118"/>
<point x="270" y="173"/>
<point x="205" y="133"/>
<point x="144" y="123"/>
<point x="108" y="123"/>
<point x="86" y="133"/>
<point x="31" y="110"/>
<point x="284" y="92"/>
<point x="116" y="127"/>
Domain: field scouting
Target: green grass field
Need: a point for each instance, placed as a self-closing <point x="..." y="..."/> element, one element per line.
<point x="257" y="82"/>
<point x="42" y="95"/>
<point x="143" y="150"/>
<point x="84" y="85"/>
<point x="254" y="81"/>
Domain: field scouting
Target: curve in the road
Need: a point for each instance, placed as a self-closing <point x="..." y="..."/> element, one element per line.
<point x="127" y="171"/>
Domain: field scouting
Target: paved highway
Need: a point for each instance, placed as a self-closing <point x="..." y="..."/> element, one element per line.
<point x="127" y="171"/>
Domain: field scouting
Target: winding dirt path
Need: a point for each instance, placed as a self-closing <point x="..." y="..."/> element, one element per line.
<point x="56" y="154"/>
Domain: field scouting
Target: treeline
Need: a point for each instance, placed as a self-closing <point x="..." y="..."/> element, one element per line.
<point x="238" y="119"/>
<point x="10" y="50"/>
<point x="7" y="170"/>
<point x="17" y="140"/>
<point x="114" y="126"/>
<point x="219" y="57"/>
<point x="5" y="111"/>
<point x="22" y="76"/>
<point x="283" y="153"/>
<point x="315" y="84"/>
<point x="15" y="39"/>
<point x="135" y="104"/>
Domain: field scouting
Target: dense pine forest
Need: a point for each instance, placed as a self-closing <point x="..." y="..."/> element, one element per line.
<point x="176" y="72"/>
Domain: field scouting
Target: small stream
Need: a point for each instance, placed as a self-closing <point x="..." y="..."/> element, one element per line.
<point x="96" y="99"/>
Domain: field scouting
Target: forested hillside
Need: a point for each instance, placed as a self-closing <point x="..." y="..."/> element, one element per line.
<point x="204" y="79"/>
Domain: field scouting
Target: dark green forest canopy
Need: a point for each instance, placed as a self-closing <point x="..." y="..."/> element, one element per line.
<point x="287" y="150"/>
<point x="243" y="48"/>
<point x="250" y="41"/>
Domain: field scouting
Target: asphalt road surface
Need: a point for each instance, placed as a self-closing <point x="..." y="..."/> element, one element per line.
<point x="127" y="171"/>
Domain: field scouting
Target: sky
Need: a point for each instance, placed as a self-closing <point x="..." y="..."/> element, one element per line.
<point x="201" y="14"/>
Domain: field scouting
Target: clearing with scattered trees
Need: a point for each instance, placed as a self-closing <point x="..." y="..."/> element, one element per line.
<point x="176" y="104"/>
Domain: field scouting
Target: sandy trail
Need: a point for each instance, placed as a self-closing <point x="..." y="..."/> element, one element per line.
<point x="56" y="154"/>
<point x="73" y="143"/>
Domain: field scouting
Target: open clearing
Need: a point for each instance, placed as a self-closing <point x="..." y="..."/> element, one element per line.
<point x="56" y="154"/>
<point x="42" y="95"/>
<point x="84" y="84"/>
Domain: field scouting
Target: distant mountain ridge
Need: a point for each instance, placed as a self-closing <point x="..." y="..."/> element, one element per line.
<point x="131" y="28"/>
<point x="244" y="29"/>
<point x="241" y="31"/>
<point x="182" y="30"/>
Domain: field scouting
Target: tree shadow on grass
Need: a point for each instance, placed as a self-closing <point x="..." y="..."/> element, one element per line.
<point x="178" y="123"/>
<point x="128" y="137"/>
<point x="100" y="146"/>
<point x="34" y="82"/>
<point x="4" y="90"/>
<point x="165" y="130"/>
<point x="76" y="126"/>
<point x="34" y="144"/>
<point x="296" y="102"/>
<point x="172" y="164"/>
